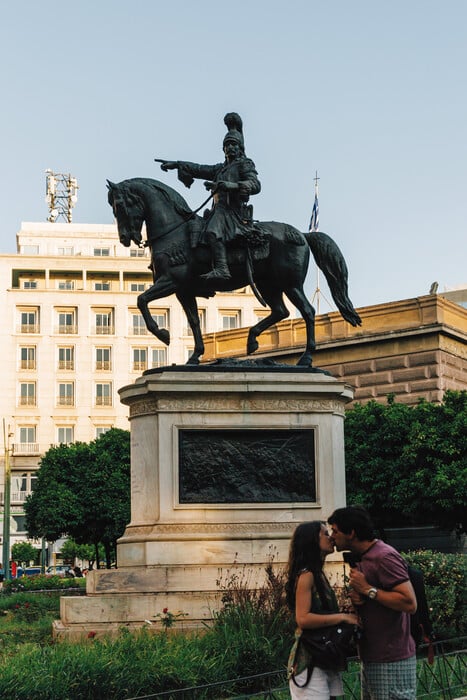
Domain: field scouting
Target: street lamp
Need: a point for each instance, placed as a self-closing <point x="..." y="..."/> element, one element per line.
<point x="6" y="503"/>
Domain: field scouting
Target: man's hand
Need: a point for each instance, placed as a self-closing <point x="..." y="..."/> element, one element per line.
<point x="226" y="186"/>
<point x="210" y="186"/>
<point x="169" y="165"/>
<point x="356" y="598"/>
<point x="358" y="581"/>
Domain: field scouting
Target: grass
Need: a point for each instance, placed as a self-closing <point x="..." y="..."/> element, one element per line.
<point x="252" y="634"/>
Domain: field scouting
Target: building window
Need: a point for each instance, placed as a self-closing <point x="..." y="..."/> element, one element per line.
<point x="27" y="394"/>
<point x="65" y="285"/>
<point x="101" y="430"/>
<point x="66" y="394"/>
<point x="137" y="252"/>
<point x="229" y="319"/>
<point x="66" y="321"/>
<point x="104" y="322"/>
<point x="260" y="315"/>
<point x="65" y="434"/>
<point x="29" y="320"/>
<point x="66" y="357"/>
<point x="159" y="357"/>
<point x="102" y="252"/>
<point x="161" y="317"/>
<point x="27" y="440"/>
<point x="20" y="490"/>
<point x="27" y="355"/>
<point x="103" y="361"/>
<point x="30" y="249"/>
<point x="137" y="286"/>
<point x="29" y="284"/>
<point x="102" y="286"/>
<point x="66" y="250"/>
<point x="104" y="394"/>
<point x="140" y="359"/>
<point x="138" y="326"/>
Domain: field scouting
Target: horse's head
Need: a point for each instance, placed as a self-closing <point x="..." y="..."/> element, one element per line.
<point x="128" y="209"/>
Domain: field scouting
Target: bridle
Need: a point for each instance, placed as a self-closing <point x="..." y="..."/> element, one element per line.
<point x="146" y="243"/>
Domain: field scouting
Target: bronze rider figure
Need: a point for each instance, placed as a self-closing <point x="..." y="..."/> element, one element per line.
<point x="232" y="182"/>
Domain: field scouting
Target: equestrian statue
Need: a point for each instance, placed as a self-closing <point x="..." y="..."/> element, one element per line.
<point x="225" y="248"/>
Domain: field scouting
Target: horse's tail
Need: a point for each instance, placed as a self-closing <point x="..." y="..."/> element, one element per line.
<point x="330" y="260"/>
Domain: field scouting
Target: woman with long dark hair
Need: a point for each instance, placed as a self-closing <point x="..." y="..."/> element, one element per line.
<point x="310" y="596"/>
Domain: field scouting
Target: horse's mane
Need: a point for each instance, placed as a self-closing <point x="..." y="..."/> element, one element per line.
<point x="171" y="195"/>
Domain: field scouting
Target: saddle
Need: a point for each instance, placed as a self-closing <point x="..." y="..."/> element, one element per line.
<point x="250" y="235"/>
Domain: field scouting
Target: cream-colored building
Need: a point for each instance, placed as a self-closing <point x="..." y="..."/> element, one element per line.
<point x="71" y="336"/>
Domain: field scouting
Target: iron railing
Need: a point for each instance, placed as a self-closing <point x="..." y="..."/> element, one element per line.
<point x="444" y="679"/>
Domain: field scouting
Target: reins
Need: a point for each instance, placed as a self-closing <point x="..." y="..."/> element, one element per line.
<point x="146" y="243"/>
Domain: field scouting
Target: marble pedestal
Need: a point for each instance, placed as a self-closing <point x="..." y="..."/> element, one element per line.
<point x="203" y="508"/>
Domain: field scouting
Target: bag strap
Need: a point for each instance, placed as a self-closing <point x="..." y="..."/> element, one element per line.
<point x="309" y="671"/>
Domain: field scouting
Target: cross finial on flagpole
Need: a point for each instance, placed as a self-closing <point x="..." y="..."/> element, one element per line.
<point x="316" y="178"/>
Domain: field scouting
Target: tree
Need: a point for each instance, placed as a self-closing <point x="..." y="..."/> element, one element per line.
<point x="70" y="551"/>
<point x="23" y="553"/>
<point x="83" y="491"/>
<point x="408" y="465"/>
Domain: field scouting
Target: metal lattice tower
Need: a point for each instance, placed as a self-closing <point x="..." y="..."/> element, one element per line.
<point x="61" y="195"/>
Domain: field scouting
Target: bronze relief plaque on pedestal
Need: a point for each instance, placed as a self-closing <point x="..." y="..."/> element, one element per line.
<point x="246" y="466"/>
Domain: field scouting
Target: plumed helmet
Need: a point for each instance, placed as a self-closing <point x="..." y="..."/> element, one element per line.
<point x="234" y="124"/>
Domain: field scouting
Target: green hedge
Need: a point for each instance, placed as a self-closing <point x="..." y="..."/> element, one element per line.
<point x="41" y="583"/>
<point x="445" y="583"/>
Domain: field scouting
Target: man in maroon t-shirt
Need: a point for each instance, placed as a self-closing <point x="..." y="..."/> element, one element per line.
<point x="384" y="598"/>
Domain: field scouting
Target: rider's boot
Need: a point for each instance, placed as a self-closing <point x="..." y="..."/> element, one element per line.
<point x="220" y="269"/>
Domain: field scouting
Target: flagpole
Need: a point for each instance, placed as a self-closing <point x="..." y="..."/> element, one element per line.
<point x="314" y="226"/>
<point x="317" y="268"/>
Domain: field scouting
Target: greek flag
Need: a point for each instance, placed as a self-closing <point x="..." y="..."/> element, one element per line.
<point x="314" y="221"/>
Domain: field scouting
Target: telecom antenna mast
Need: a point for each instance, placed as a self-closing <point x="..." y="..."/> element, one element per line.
<point x="60" y="195"/>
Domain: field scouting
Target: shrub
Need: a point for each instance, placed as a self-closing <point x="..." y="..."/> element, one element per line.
<point x="254" y="629"/>
<point x="445" y="583"/>
<point x="41" y="583"/>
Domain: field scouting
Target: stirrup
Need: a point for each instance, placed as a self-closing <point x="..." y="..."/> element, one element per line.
<point x="217" y="274"/>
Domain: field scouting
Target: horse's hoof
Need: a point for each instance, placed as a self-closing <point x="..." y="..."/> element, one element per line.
<point x="252" y="347"/>
<point x="163" y="335"/>
<point x="193" y="361"/>
<point x="304" y="361"/>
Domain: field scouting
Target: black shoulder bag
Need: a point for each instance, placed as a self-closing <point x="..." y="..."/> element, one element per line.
<point x="328" y="647"/>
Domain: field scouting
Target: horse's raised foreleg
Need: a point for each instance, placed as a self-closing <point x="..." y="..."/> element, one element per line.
<point x="190" y="308"/>
<point x="298" y="299"/>
<point x="162" y="288"/>
<point x="279" y="311"/>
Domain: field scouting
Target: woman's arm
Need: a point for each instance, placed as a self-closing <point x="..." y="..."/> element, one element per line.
<point x="309" y="620"/>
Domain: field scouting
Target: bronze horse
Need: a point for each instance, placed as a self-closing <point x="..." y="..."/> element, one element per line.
<point x="278" y="266"/>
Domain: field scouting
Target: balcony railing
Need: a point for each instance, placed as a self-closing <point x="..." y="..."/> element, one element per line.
<point x="27" y="400"/>
<point x="103" y="330"/>
<point x="25" y="448"/>
<point x="66" y="329"/>
<point x="28" y="328"/>
<point x="138" y="330"/>
<point x="28" y="364"/>
<point x="103" y="364"/>
<point x="66" y="364"/>
<point x="15" y="496"/>
<point x="140" y="366"/>
<point x="103" y="400"/>
<point x="65" y="401"/>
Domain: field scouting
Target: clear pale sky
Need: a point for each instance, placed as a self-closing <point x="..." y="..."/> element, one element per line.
<point x="370" y="93"/>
